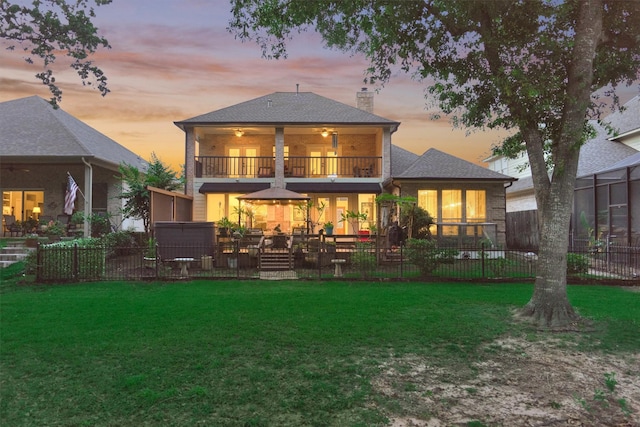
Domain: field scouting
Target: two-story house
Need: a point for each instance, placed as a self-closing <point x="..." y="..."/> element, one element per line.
<point x="340" y="157"/>
<point x="336" y="154"/>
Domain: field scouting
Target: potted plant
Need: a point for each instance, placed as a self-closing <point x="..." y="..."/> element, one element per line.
<point x="328" y="228"/>
<point x="150" y="254"/>
<point x="31" y="240"/>
<point x="224" y="226"/>
<point x="353" y="218"/>
<point x="77" y="222"/>
<point x="54" y="230"/>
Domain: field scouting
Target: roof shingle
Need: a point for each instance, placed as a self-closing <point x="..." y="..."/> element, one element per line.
<point x="288" y="108"/>
<point x="434" y="164"/>
<point x="31" y="127"/>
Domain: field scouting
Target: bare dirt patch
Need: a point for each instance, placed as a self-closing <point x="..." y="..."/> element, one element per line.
<point x="515" y="383"/>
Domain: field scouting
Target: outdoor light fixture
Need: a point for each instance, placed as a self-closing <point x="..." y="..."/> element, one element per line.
<point x="324" y="133"/>
<point x="239" y="132"/>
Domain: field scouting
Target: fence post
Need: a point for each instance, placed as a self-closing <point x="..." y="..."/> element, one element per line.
<point x="482" y="257"/>
<point x="38" y="265"/>
<point x="74" y="273"/>
<point x="157" y="265"/>
<point x="401" y="260"/>
<point x="236" y="251"/>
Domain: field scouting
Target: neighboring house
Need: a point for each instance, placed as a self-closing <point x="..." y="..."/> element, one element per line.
<point x="337" y="154"/>
<point x="39" y="145"/>
<point x="597" y="155"/>
<point x="341" y="156"/>
<point x="466" y="201"/>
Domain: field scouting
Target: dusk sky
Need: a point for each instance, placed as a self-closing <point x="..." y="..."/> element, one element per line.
<point x="171" y="60"/>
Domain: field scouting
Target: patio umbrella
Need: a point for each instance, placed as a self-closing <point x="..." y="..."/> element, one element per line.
<point x="273" y="195"/>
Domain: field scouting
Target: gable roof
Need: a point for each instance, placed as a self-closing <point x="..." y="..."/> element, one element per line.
<point x="282" y="108"/>
<point x="32" y="130"/>
<point x="434" y="164"/>
<point x="601" y="152"/>
<point x="401" y="159"/>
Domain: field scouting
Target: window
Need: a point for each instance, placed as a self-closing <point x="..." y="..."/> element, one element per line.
<point x="454" y="206"/>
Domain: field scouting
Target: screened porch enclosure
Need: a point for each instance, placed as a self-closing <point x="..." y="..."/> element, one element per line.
<point x="607" y="208"/>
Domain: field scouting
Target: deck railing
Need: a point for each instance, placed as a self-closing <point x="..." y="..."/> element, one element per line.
<point x="294" y="167"/>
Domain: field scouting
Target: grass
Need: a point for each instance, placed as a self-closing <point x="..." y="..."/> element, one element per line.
<point x="249" y="353"/>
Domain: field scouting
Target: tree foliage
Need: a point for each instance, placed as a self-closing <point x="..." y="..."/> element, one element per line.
<point x="46" y="28"/>
<point x="529" y="66"/>
<point x="417" y="220"/>
<point x="137" y="198"/>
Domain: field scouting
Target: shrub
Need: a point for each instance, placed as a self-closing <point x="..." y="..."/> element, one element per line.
<point x="119" y="243"/>
<point x="498" y="266"/>
<point x="78" y="259"/>
<point x="577" y="264"/>
<point x="425" y="254"/>
<point x="419" y="219"/>
<point x="362" y="260"/>
<point x="100" y="224"/>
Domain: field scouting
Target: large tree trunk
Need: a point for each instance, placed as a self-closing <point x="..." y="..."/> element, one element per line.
<point x="549" y="306"/>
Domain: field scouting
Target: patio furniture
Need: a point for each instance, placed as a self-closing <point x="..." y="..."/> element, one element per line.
<point x="265" y="172"/>
<point x="184" y="265"/>
<point x="10" y="225"/>
<point x="338" y="263"/>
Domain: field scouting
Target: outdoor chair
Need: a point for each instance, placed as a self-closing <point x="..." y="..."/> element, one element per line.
<point x="264" y="172"/>
<point x="9" y="225"/>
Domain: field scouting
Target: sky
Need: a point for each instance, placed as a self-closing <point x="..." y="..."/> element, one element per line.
<point x="171" y="60"/>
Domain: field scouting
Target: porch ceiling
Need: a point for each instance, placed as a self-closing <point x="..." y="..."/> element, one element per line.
<point x="311" y="129"/>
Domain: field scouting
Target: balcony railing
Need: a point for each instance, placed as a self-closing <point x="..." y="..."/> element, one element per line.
<point x="295" y="167"/>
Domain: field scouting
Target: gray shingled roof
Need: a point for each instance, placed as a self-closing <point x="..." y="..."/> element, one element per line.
<point x="627" y="120"/>
<point x="31" y="127"/>
<point x="631" y="161"/>
<point x="288" y="108"/>
<point x="435" y="164"/>
<point x="401" y="159"/>
<point x="599" y="152"/>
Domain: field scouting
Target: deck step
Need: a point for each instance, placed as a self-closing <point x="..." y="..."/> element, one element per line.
<point x="15" y="251"/>
<point x="276" y="260"/>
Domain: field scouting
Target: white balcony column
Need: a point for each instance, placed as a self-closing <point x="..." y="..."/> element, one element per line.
<point x="386" y="154"/>
<point x="88" y="195"/>
<point x="189" y="161"/>
<point x="279" y="172"/>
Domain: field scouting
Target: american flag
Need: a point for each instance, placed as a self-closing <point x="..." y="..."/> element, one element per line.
<point x="70" y="195"/>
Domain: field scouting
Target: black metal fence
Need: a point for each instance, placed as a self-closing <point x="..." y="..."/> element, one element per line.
<point x="361" y="261"/>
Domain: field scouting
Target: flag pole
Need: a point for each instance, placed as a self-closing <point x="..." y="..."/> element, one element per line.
<point x="79" y="190"/>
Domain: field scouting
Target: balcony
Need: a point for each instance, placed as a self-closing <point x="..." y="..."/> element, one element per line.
<point x="294" y="167"/>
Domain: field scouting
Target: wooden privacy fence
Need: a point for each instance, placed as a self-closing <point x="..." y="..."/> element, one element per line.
<point x="522" y="230"/>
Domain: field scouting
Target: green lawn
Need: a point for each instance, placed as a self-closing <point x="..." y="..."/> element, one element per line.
<point x="227" y="353"/>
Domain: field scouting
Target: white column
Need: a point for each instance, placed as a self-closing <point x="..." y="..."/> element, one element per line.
<point x="279" y="172"/>
<point x="189" y="160"/>
<point x="88" y="196"/>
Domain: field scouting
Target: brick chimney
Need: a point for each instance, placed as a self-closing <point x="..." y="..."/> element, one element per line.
<point x="364" y="100"/>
